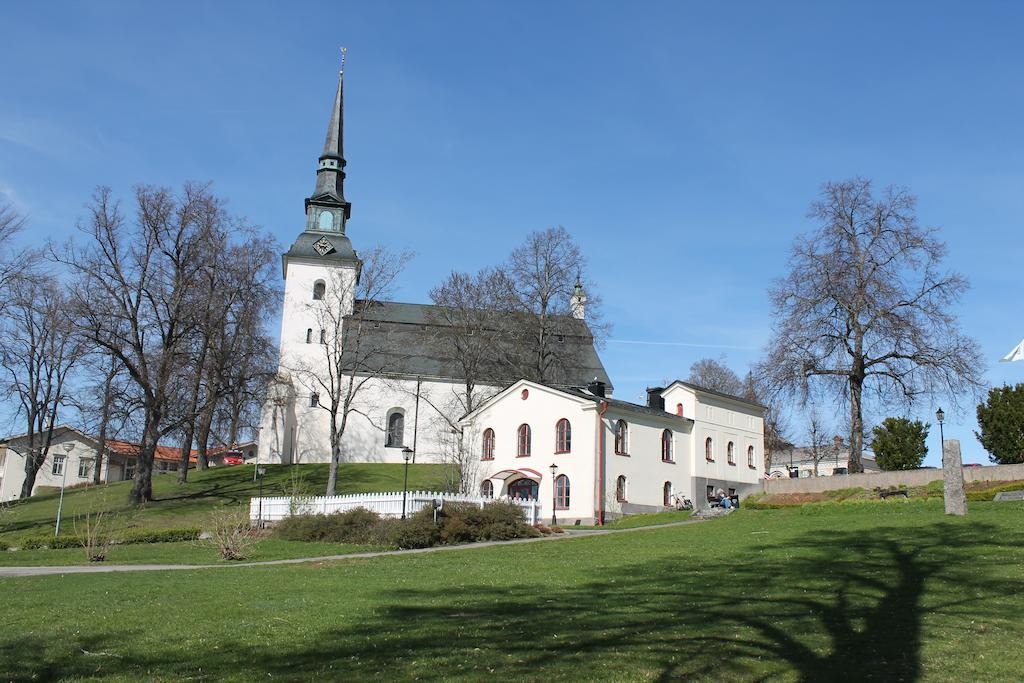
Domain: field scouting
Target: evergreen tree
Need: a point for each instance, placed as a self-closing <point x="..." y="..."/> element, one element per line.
<point x="899" y="443"/>
<point x="1001" y="419"/>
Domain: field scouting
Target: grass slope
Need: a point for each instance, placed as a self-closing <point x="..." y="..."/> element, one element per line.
<point x="191" y="503"/>
<point x="818" y="593"/>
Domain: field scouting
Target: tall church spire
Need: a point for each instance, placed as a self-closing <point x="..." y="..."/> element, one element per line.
<point x="326" y="209"/>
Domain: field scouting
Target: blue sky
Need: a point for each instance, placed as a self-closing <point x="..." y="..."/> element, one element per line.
<point x="681" y="143"/>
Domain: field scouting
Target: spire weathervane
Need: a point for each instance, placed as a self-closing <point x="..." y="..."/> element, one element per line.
<point x="341" y="71"/>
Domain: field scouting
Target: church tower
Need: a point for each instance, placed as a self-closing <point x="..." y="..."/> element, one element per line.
<point x="321" y="269"/>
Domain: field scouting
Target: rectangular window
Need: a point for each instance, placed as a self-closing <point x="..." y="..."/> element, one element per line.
<point x="85" y="467"/>
<point x="732" y="492"/>
<point x="711" y="492"/>
<point x="129" y="470"/>
<point x="58" y="464"/>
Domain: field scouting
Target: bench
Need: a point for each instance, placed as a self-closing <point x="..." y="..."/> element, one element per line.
<point x="886" y="493"/>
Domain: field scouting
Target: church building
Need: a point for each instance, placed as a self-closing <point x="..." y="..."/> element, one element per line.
<point x="406" y="399"/>
<point x="565" y="442"/>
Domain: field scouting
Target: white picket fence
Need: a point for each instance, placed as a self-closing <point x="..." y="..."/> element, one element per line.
<point x="272" y="509"/>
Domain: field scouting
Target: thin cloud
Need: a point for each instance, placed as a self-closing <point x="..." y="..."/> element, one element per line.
<point x="691" y="345"/>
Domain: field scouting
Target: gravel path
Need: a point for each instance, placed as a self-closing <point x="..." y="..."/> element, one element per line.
<point x="9" y="572"/>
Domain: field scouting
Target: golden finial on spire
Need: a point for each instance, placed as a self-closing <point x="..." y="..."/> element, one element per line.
<point x="343" y="51"/>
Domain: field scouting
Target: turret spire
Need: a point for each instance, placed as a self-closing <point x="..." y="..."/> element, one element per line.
<point x="329" y="209"/>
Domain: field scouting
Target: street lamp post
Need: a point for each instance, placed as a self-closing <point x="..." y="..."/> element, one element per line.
<point x="554" y="494"/>
<point x="406" y="455"/>
<point x="261" y="471"/>
<point x="940" y="416"/>
<point x="68" y="447"/>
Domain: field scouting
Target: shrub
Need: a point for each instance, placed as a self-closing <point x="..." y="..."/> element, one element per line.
<point x="48" y="542"/>
<point x="191" y="533"/>
<point x="93" y="530"/>
<point x="352" y="526"/>
<point x="417" y="531"/>
<point x="231" y="533"/>
<point x="4" y="545"/>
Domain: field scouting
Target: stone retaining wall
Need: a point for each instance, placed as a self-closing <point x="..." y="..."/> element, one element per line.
<point x="887" y="479"/>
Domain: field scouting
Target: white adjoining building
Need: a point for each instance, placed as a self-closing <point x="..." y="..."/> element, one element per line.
<point x="613" y="457"/>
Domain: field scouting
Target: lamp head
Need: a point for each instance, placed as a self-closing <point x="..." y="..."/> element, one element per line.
<point x="68" y="446"/>
<point x="553" y="468"/>
<point x="939" y="415"/>
<point x="261" y="471"/>
<point x="407" y="454"/>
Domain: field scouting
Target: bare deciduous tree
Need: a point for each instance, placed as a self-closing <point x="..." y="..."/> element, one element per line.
<point x="542" y="274"/>
<point x="14" y="262"/>
<point x="38" y="350"/>
<point x="715" y="375"/>
<point x="348" y="353"/>
<point x="820" y="445"/>
<point x="135" y="297"/>
<point x="867" y="306"/>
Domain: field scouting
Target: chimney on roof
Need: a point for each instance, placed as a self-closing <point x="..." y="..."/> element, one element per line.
<point x="596" y="387"/>
<point x="655" y="399"/>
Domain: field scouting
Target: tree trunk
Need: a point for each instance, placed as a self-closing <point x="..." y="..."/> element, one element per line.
<point x="203" y="437"/>
<point x="332" y="476"/>
<point x="142" y="485"/>
<point x="33" y="462"/>
<point x="854" y="464"/>
<point x="101" y="445"/>
<point x="186" y="451"/>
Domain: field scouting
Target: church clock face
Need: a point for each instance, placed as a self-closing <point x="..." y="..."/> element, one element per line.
<point x="323" y="245"/>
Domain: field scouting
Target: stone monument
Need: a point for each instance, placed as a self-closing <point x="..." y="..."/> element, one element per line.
<point x="953" y="478"/>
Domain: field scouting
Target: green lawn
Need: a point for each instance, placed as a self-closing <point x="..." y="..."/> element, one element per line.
<point x="190" y="504"/>
<point x="184" y="552"/>
<point x="821" y="593"/>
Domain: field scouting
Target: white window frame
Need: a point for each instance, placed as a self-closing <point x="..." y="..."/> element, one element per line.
<point x="59" y="462"/>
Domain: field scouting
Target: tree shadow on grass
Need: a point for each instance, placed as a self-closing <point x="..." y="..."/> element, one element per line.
<point x="848" y="606"/>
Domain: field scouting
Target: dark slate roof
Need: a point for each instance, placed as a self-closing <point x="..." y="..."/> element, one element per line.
<point x="410" y="343"/>
<point x="341" y="251"/>
<point x="697" y="387"/>
<point x="620" y="405"/>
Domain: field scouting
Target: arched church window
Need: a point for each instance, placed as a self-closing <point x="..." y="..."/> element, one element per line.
<point x="395" y="436"/>
<point x="309" y="335"/>
<point x="562" y="492"/>
<point x="318" y="290"/>
<point x="523" y="441"/>
<point x="326" y="221"/>
<point x="487" y="489"/>
<point x="563" y="436"/>
<point x="323" y="336"/>
<point x="620" y="489"/>
<point x="488" y="445"/>
<point x="314" y="400"/>
<point x="621" y="438"/>
<point x="666" y="446"/>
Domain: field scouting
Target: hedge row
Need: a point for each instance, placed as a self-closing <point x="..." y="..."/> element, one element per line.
<point x="456" y="523"/>
<point x="127" y="537"/>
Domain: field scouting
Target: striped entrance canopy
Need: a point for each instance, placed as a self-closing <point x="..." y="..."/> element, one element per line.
<point x="524" y="472"/>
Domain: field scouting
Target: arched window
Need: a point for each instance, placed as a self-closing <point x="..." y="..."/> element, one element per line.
<point x="562" y="492"/>
<point x="666" y="445"/>
<point x="679" y="409"/>
<point x="487" y="489"/>
<point x="487" y="452"/>
<point x="309" y="335"/>
<point x="709" y="453"/>
<point x="620" y="489"/>
<point x="666" y="495"/>
<point x="314" y="400"/>
<point x="323" y="336"/>
<point x="563" y="436"/>
<point x="318" y="290"/>
<point x="523" y="441"/>
<point x="730" y="453"/>
<point x="621" y="438"/>
<point x="326" y="221"/>
<point x="395" y="436"/>
<point x="750" y="456"/>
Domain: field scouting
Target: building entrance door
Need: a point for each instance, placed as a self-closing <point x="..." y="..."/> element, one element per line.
<point x="524" y="488"/>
